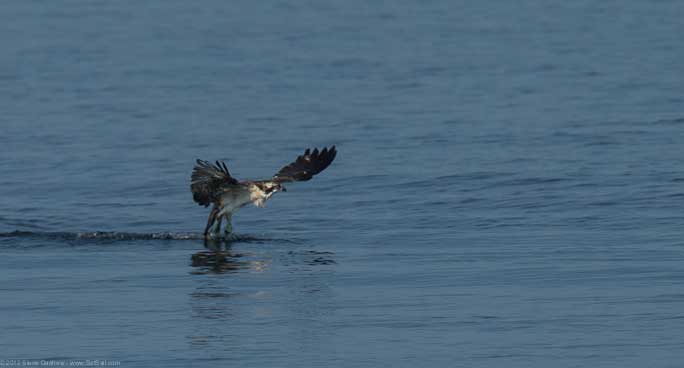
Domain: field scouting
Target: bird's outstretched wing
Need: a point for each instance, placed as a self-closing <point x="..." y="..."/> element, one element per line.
<point x="306" y="165"/>
<point x="208" y="181"/>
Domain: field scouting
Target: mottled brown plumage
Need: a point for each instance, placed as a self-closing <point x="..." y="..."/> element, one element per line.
<point x="207" y="181"/>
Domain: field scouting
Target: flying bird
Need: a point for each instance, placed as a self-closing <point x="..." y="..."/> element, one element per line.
<point x="212" y="185"/>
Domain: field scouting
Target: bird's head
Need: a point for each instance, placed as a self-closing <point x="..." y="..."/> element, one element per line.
<point x="275" y="187"/>
<point x="262" y="192"/>
<point x="271" y="187"/>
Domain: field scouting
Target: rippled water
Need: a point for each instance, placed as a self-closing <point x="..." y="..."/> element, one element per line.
<point x="508" y="189"/>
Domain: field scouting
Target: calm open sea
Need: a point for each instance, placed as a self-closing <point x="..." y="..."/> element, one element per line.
<point x="509" y="188"/>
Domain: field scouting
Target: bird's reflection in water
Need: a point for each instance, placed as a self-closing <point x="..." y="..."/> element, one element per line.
<point x="218" y="258"/>
<point x="214" y="299"/>
<point x="238" y="299"/>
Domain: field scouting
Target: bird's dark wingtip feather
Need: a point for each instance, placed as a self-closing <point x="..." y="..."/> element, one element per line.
<point x="311" y="163"/>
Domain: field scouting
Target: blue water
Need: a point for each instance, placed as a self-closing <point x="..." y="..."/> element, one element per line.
<point x="508" y="190"/>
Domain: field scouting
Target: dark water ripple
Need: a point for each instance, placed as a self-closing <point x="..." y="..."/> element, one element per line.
<point x="111" y="235"/>
<point x="100" y="235"/>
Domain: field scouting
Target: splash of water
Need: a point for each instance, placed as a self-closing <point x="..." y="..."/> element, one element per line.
<point x="119" y="236"/>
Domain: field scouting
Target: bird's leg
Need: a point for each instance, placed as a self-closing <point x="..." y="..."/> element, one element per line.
<point x="216" y="228"/>
<point x="211" y="219"/>
<point x="228" y="230"/>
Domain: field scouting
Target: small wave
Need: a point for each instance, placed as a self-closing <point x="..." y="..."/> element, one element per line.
<point x="673" y="121"/>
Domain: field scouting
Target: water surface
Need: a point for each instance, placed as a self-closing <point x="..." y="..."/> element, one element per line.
<point x="508" y="189"/>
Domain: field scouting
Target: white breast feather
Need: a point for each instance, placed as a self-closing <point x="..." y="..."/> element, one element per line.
<point x="258" y="196"/>
<point x="232" y="200"/>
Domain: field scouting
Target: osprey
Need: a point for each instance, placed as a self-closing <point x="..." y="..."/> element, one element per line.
<point x="213" y="185"/>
